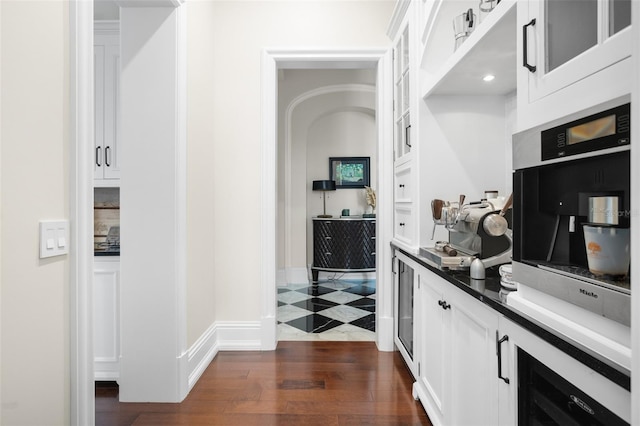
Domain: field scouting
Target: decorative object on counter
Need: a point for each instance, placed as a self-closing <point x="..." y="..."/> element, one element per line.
<point x="463" y="25"/>
<point x="485" y="7"/>
<point x="349" y="172"/>
<point x="370" y="196"/>
<point x="345" y="212"/>
<point x="324" y="186"/>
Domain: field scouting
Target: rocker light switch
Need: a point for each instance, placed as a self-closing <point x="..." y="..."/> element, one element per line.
<point x="53" y="238"/>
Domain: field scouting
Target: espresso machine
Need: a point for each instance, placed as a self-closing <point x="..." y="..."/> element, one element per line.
<point x="477" y="230"/>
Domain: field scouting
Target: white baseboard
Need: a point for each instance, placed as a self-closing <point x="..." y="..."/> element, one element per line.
<point x="288" y="276"/>
<point x="384" y="326"/>
<point x="201" y="354"/>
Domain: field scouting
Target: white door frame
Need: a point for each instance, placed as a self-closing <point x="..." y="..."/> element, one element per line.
<point x="272" y="60"/>
<point x="81" y="106"/>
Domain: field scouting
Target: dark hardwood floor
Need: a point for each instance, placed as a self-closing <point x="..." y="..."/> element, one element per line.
<point x="300" y="383"/>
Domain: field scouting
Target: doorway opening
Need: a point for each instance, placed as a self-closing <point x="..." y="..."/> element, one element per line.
<point x="326" y="114"/>
<point x="342" y="97"/>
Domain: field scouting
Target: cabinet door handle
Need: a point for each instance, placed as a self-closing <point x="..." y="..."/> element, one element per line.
<point x="525" y="56"/>
<point x="327" y="238"/>
<point x="401" y="185"/>
<point x="393" y="264"/>
<point x="401" y="224"/>
<point x="328" y="253"/>
<point x="107" y="149"/>
<point x="499" y="342"/>
<point x="373" y="253"/>
<point x="98" y="160"/>
<point x="407" y="138"/>
<point x="444" y="304"/>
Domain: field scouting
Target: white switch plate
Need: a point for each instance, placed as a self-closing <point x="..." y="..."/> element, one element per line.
<point x="54" y="235"/>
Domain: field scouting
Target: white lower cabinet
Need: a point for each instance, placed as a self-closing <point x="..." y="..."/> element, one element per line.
<point x="457" y="362"/>
<point x="106" y="318"/>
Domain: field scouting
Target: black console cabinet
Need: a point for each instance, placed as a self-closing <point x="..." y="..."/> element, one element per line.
<point x="346" y="244"/>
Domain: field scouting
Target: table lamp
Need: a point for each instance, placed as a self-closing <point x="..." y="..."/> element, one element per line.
<point x="324" y="186"/>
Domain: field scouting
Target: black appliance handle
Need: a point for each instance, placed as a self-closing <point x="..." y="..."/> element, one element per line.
<point x="525" y="56"/>
<point x="499" y="342"/>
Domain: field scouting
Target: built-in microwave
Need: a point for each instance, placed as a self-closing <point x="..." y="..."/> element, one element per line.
<point x="571" y="209"/>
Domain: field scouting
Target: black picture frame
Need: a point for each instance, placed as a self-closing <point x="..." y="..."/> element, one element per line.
<point x="350" y="172"/>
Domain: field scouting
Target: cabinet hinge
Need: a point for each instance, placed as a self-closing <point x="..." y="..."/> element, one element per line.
<point x="418" y="369"/>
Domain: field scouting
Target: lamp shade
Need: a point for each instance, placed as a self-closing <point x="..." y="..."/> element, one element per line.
<point x="324" y="185"/>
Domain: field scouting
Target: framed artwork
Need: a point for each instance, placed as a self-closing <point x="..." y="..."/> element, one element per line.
<point x="349" y="172"/>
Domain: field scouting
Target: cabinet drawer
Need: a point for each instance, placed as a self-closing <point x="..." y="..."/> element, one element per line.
<point x="403" y="224"/>
<point x="403" y="189"/>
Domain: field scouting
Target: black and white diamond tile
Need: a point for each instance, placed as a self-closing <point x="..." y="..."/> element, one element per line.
<point x="330" y="310"/>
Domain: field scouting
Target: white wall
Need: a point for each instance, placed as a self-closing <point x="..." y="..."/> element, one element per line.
<point x="34" y="176"/>
<point x="339" y="134"/>
<point x="224" y="127"/>
<point x="464" y="151"/>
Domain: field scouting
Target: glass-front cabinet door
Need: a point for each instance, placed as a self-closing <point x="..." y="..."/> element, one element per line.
<point x="402" y="96"/>
<point x="565" y="41"/>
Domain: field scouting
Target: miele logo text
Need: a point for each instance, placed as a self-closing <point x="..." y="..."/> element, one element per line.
<point x="588" y="293"/>
<point x="580" y="403"/>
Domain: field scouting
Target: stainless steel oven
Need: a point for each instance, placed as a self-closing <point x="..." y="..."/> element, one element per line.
<point x="571" y="209"/>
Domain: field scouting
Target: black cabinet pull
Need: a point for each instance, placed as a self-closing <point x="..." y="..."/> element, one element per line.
<point x="393" y="264"/>
<point x="444" y="304"/>
<point x="525" y="56"/>
<point x="407" y="136"/>
<point x="107" y="149"/>
<point x="401" y="224"/>
<point x="499" y="342"/>
<point x="401" y="185"/>
<point x="98" y="151"/>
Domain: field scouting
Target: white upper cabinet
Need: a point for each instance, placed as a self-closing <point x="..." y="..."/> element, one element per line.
<point x="402" y="95"/>
<point x="563" y="46"/>
<point x="489" y="50"/>
<point x="107" y="105"/>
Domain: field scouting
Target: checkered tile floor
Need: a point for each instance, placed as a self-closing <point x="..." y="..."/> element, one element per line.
<point x="337" y="309"/>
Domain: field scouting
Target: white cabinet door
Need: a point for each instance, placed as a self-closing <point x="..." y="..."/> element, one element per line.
<point x="402" y="76"/>
<point x="106" y="319"/>
<point x="457" y="368"/>
<point x="563" y="42"/>
<point x="107" y="109"/>
<point x="473" y="377"/>
<point x="433" y="345"/>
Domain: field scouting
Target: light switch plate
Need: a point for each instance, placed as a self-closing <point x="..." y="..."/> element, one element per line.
<point x="54" y="235"/>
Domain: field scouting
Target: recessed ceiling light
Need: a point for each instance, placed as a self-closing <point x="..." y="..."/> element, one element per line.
<point x="488" y="77"/>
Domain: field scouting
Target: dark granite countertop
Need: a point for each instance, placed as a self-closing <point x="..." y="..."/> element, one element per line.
<point x="107" y="252"/>
<point x="492" y="296"/>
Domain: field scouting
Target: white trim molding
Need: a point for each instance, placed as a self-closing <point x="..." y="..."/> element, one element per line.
<point x="81" y="108"/>
<point x="272" y="60"/>
<point x="200" y="355"/>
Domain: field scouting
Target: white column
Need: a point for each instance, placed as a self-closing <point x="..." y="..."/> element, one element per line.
<point x="153" y="203"/>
